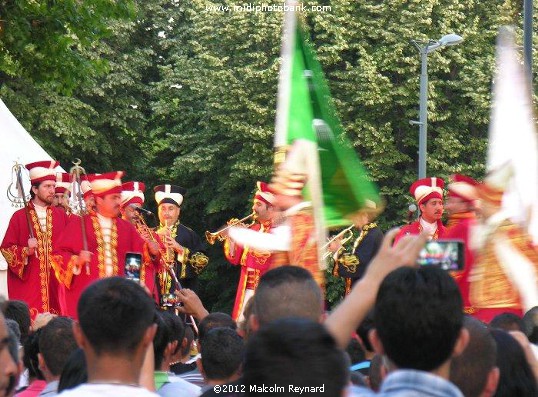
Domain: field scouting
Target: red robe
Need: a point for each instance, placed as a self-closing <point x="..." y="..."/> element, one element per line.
<point x="31" y="278"/>
<point x="416" y="228"/>
<point x="253" y="265"/>
<point x="303" y="248"/>
<point x="124" y="239"/>
<point x="460" y="229"/>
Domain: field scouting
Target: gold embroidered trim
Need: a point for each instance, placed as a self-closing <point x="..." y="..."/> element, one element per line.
<point x="44" y="249"/>
<point x="101" y="247"/>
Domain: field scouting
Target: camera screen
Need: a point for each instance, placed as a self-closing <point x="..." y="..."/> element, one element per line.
<point x="133" y="262"/>
<point x="447" y="255"/>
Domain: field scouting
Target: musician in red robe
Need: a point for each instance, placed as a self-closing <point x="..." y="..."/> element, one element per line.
<point x="504" y="277"/>
<point x="62" y="191"/>
<point x="460" y="205"/>
<point x="132" y="199"/>
<point x="254" y="263"/>
<point x="428" y="193"/>
<point x="108" y="237"/>
<point x="30" y="277"/>
<point x="291" y="242"/>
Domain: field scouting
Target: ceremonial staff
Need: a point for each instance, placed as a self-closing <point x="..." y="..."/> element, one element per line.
<point x="20" y="186"/>
<point x="75" y="172"/>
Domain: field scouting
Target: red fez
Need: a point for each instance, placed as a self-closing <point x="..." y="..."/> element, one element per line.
<point x="104" y="184"/>
<point x="264" y="194"/>
<point x="132" y="193"/>
<point x="42" y="171"/>
<point x="463" y="187"/>
<point x="426" y="189"/>
<point x="63" y="182"/>
<point x="85" y="186"/>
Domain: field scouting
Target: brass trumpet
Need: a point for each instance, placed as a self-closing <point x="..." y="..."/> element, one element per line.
<point x="212" y="237"/>
<point x="347" y="232"/>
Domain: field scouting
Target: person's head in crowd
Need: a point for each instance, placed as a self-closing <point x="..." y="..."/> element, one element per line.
<point x="163" y="346"/>
<point x="215" y="320"/>
<point x="30" y="357"/>
<point x="363" y="330"/>
<point x="20" y="312"/>
<point x="507" y="321"/>
<point x="355" y="351"/>
<point x="116" y="324"/>
<point x="186" y="346"/>
<point x="56" y="343"/>
<point x="222" y="353"/>
<point x="377" y="372"/>
<point x="15" y="351"/>
<point x="287" y="291"/>
<point x="530" y="325"/>
<point x="475" y="371"/>
<point x="8" y="365"/>
<point x="516" y="376"/>
<point x="177" y="334"/>
<point x="295" y="351"/>
<point x="75" y="371"/>
<point x="418" y="320"/>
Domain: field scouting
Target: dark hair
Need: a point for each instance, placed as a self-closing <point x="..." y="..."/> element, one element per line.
<point x="56" y="343"/>
<point x="31" y="350"/>
<point x="215" y="320"/>
<point x="14" y="339"/>
<point x="418" y="317"/>
<point x="189" y="335"/>
<point x="295" y="351"/>
<point x="75" y="371"/>
<point x="287" y="291"/>
<point x="374" y="374"/>
<point x="18" y="311"/>
<point x="530" y="325"/>
<point x="470" y="370"/>
<point x="177" y="328"/>
<point x="517" y="378"/>
<point x="114" y="313"/>
<point x="355" y="351"/>
<point x="507" y="321"/>
<point x="160" y="340"/>
<point x="222" y="353"/>
<point x="364" y="328"/>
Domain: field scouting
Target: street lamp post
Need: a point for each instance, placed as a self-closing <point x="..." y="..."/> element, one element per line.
<point x="425" y="47"/>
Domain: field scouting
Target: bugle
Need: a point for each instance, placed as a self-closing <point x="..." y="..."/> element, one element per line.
<point x="347" y="232"/>
<point x="212" y="237"/>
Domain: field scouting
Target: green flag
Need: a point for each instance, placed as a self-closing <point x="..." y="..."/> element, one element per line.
<point x="306" y="114"/>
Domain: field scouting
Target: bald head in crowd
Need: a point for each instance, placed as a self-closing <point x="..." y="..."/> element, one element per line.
<point x="287" y="291"/>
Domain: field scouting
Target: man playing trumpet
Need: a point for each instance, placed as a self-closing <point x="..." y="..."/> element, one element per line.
<point x="353" y="264"/>
<point x="184" y="248"/>
<point x="254" y="263"/>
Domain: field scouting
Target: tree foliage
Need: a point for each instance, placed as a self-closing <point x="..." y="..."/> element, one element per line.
<point x="182" y="92"/>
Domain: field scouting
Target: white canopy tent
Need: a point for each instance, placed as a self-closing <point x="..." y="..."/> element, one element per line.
<point x="17" y="146"/>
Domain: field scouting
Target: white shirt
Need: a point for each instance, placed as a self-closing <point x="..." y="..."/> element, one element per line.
<point x="428" y="227"/>
<point x="107" y="389"/>
<point x="41" y="216"/>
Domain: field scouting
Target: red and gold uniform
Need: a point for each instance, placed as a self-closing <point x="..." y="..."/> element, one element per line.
<point x="30" y="277"/>
<point x="109" y="240"/>
<point x="254" y="263"/>
<point x="132" y="197"/>
<point x="463" y="189"/>
<point x="424" y="190"/>
<point x="303" y="249"/>
<point x="293" y="242"/>
<point x="504" y="277"/>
